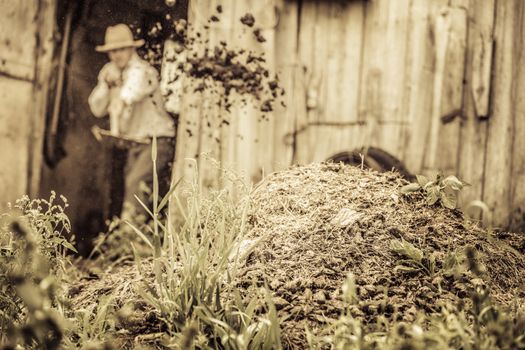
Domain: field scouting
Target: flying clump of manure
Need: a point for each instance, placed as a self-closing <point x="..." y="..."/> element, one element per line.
<point x="248" y="20"/>
<point x="235" y="70"/>
<point x="316" y="224"/>
<point x="223" y="69"/>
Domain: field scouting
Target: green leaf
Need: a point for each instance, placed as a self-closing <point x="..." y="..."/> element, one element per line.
<point x="453" y="182"/>
<point x="433" y="195"/>
<point x="448" y="201"/>
<point x="422" y="180"/>
<point x="141" y="235"/>
<point x="69" y="246"/>
<point x="410" y="188"/>
<point x="164" y="200"/>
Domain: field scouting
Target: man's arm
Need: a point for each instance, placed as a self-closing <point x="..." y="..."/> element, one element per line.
<point x="100" y="97"/>
<point x="141" y="82"/>
<point x="99" y="100"/>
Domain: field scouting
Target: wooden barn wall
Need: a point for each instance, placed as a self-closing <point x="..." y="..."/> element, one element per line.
<point x="26" y="43"/>
<point x="206" y="130"/>
<point x="435" y="83"/>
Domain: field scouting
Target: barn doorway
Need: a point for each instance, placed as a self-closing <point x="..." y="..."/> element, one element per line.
<point x="87" y="173"/>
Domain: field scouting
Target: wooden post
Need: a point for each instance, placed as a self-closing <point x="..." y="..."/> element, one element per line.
<point x="44" y="53"/>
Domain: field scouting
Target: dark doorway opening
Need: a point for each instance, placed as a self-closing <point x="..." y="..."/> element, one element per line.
<point x="77" y="166"/>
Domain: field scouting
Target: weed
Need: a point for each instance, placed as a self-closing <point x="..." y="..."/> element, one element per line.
<point x="441" y="189"/>
<point x="413" y="258"/>
<point x="194" y="274"/>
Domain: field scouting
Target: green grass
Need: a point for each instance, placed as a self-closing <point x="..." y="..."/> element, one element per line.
<point x="195" y="258"/>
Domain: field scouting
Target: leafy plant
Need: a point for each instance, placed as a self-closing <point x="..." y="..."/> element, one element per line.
<point x="30" y="290"/>
<point x="442" y="189"/>
<point x="414" y="258"/>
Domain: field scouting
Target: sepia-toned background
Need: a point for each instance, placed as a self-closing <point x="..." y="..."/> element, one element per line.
<point x="434" y="83"/>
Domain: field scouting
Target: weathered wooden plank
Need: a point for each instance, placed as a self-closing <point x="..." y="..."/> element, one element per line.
<point x="419" y="79"/>
<point x="497" y="179"/>
<point x="264" y="123"/>
<point x="442" y="25"/>
<point x="18" y="38"/>
<point x="44" y="52"/>
<point x="384" y="67"/>
<point x="517" y="179"/>
<point x="306" y="85"/>
<point x="473" y="130"/>
<point x="350" y="49"/>
<point x="332" y="35"/>
<point x="448" y="144"/>
<point x="187" y="150"/>
<point x="341" y="78"/>
<point x="287" y="63"/>
<point x="15" y="99"/>
<point x="321" y="93"/>
<point x="212" y="108"/>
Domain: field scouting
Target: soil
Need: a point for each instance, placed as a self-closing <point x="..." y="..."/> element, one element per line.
<point x="319" y="223"/>
<point x="316" y="224"/>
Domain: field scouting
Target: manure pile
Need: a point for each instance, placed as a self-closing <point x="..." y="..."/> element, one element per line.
<point x="316" y="224"/>
<point x="320" y="222"/>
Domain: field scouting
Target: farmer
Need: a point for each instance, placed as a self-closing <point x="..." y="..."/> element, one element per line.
<point x="128" y="91"/>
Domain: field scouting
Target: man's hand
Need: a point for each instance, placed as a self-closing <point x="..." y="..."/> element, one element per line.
<point x="111" y="75"/>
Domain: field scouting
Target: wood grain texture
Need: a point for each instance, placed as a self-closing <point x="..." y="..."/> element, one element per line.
<point x="43" y="52"/>
<point x="451" y="103"/>
<point x="287" y="67"/>
<point x="18" y="30"/>
<point x="330" y="48"/>
<point x="383" y="70"/>
<point x="517" y="178"/>
<point x="473" y="136"/>
<point x="498" y="166"/>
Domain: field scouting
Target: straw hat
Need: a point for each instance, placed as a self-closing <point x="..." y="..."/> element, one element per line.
<point x="118" y="37"/>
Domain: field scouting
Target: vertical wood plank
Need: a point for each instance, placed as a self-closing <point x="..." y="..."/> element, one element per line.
<point x="212" y="108"/>
<point x="305" y="82"/>
<point x="473" y="130"/>
<point x="188" y="134"/>
<point x="383" y="71"/>
<point x="331" y="33"/>
<point x="419" y="80"/>
<point x="287" y="63"/>
<point x="43" y="52"/>
<point x="452" y="99"/>
<point x="497" y="179"/>
<point x="517" y="178"/>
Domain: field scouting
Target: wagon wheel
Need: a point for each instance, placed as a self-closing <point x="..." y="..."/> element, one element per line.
<point x="374" y="158"/>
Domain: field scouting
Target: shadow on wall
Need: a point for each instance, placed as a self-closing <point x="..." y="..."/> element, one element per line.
<point x="77" y="166"/>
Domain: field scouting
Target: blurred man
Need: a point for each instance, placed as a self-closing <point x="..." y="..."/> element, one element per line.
<point x="128" y="91"/>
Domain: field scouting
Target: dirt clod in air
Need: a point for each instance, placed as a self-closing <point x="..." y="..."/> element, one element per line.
<point x="260" y="38"/>
<point x="248" y="20"/>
